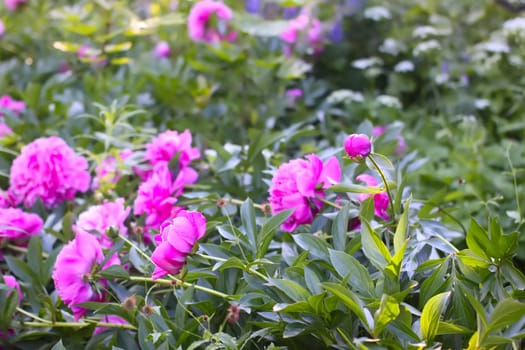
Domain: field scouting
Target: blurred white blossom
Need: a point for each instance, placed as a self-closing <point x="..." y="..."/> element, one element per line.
<point x="515" y="27"/>
<point x="404" y="66"/>
<point x="377" y="13"/>
<point x="366" y="63"/>
<point x="426" y="46"/>
<point x="391" y="46"/>
<point x="389" y="101"/>
<point x="345" y="96"/>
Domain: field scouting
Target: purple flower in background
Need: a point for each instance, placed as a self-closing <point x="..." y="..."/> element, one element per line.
<point x="353" y="6"/>
<point x="291" y="12"/>
<point x="162" y="50"/>
<point x="251" y="6"/>
<point x="293" y="95"/>
<point x="336" y="34"/>
<point x="13" y="4"/>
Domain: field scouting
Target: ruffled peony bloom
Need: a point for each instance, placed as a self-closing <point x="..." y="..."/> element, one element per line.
<point x="99" y="218"/>
<point x="9" y="103"/>
<point x="107" y="172"/>
<point x="357" y="146"/>
<point x="10" y="281"/>
<point x="48" y="169"/>
<point x="401" y="144"/>
<point x="7" y="200"/>
<point x="157" y="196"/>
<point x="201" y="26"/>
<point x="162" y="50"/>
<point x="380" y="199"/>
<point x="14" y="4"/>
<point x="296" y="185"/>
<point x="303" y="24"/>
<point x="175" y="241"/>
<point x="109" y="319"/>
<point x="18" y="226"/>
<point x="73" y="273"/>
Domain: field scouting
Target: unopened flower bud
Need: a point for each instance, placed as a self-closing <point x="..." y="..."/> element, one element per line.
<point x="357" y="146"/>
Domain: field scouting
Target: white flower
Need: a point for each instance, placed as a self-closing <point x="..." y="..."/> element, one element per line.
<point x="404" y="66"/>
<point x="441" y="78"/>
<point x="365" y="63"/>
<point x="345" y="96"/>
<point x="426" y="46"/>
<point x="481" y="103"/>
<point x="391" y="47"/>
<point x="424" y="31"/>
<point x="377" y="13"/>
<point x="515" y="26"/>
<point x="495" y="46"/>
<point x="389" y="101"/>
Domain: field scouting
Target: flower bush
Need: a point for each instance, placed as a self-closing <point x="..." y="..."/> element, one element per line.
<point x="261" y="175"/>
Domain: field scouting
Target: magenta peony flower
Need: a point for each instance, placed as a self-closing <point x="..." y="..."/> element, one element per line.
<point x="9" y="103"/>
<point x="293" y="95"/>
<point x="18" y="226"/>
<point x="201" y="26"/>
<point x="73" y="272"/>
<point x="108" y="170"/>
<point x="162" y="50"/>
<point x="48" y="169"/>
<point x="10" y="281"/>
<point x="7" y="200"/>
<point x="401" y="144"/>
<point x="175" y="241"/>
<point x="380" y="199"/>
<point x="14" y="4"/>
<point x="357" y="146"/>
<point x="157" y="196"/>
<point x="109" y="319"/>
<point x="99" y="218"/>
<point x="296" y="185"/>
<point x="303" y="24"/>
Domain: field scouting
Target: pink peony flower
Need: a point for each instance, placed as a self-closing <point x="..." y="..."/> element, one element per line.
<point x="10" y="281"/>
<point x="303" y="24"/>
<point x="108" y="170"/>
<point x="9" y="103"/>
<point x="157" y="195"/>
<point x="175" y="241"/>
<point x="380" y="199"/>
<point x="357" y="146"/>
<point x="73" y="272"/>
<point x="401" y="144"/>
<point x="7" y="200"/>
<point x="18" y="226"/>
<point x="293" y="95"/>
<point x="5" y="130"/>
<point x="48" y="169"/>
<point x="296" y="185"/>
<point x="14" y="4"/>
<point x="109" y="319"/>
<point x="162" y="50"/>
<point x="2" y="28"/>
<point x="99" y="218"/>
<point x="200" y="26"/>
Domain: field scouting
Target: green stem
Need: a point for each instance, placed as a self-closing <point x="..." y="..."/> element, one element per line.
<point x="387" y="187"/>
<point x="261" y="207"/>
<point x="247" y="269"/>
<point x="327" y="202"/>
<point x="133" y="245"/>
<point x="173" y="281"/>
<point x="23" y="250"/>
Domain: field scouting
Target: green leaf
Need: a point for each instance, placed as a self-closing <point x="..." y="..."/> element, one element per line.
<point x="435" y="283"/>
<point x="431" y="314"/>
<point x="291" y="289"/>
<point x="353" y="188"/>
<point x="301" y="306"/>
<point x="114" y="271"/>
<point x="450" y="328"/>
<point x="262" y="140"/>
<point x="34" y="256"/>
<point x="268" y="230"/>
<point x="402" y="227"/>
<point x="248" y="223"/>
<point x="373" y="246"/>
<point x="506" y="313"/>
<point x="349" y="299"/>
<point x="340" y="227"/>
<point x="382" y="160"/>
<point x="232" y="262"/>
<point x="317" y="247"/>
<point x="67" y="225"/>
<point x="387" y="312"/>
<point x="349" y="267"/>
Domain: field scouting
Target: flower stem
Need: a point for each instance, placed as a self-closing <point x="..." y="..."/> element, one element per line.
<point x="173" y="281"/>
<point x="133" y="245"/>
<point x="387" y="187"/>
<point x="327" y="202"/>
<point x="23" y="250"/>
<point x="261" y="207"/>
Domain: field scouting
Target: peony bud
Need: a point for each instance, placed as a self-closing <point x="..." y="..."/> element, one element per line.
<point x="357" y="146"/>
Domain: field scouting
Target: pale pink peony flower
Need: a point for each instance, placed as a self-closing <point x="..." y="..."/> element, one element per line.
<point x="99" y="218"/>
<point x="73" y="272"/>
<point x="17" y="225"/>
<point x="10" y="281"/>
<point x="303" y="25"/>
<point x="5" y="130"/>
<point x="200" y="26"/>
<point x="14" y="4"/>
<point x="108" y="170"/>
<point x="357" y="146"/>
<point x="157" y="196"/>
<point x="9" y="103"/>
<point x="401" y="143"/>
<point x="48" y="169"/>
<point x="296" y="185"/>
<point x="380" y="199"/>
<point x="109" y="319"/>
<point x="175" y="241"/>
<point x="162" y="50"/>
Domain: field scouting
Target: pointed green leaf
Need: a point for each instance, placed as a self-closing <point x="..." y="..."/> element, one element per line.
<point x="430" y="316"/>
